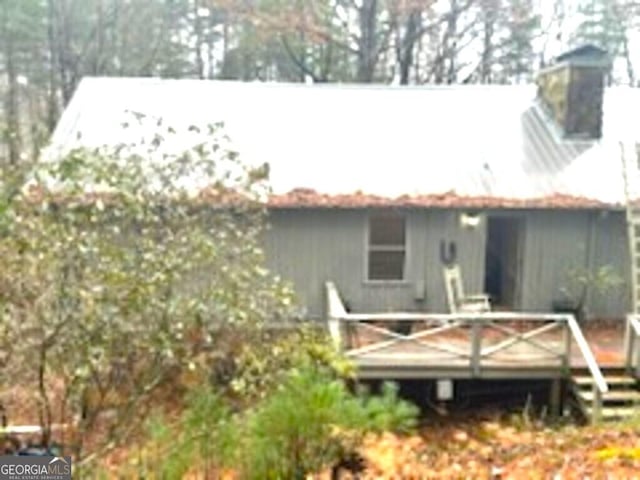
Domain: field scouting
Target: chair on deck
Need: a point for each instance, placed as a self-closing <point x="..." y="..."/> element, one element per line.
<point x="457" y="300"/>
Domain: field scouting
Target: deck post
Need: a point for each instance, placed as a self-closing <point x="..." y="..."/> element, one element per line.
<point x="555" y="397"/>
<point x="566" y="361"/>
<point x="632" y="335"/>
<point x="335" y="317"/>
<point x="628" y="346"/>
<point x="476" y="346"/>
<point x="596" y="410"/>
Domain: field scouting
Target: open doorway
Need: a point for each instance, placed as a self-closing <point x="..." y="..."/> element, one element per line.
<point x="503" y="261"/>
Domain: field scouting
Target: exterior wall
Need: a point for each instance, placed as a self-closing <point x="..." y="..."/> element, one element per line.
<point x="312" y="246"/>
<point x="557" y="242"/>
<point x="554" y="243"/>
<point x="610" y="247"/>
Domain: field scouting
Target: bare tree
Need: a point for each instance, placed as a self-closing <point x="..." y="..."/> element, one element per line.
<point x="489" y="11"/>
<point x="408" y="19"/>
<point x="12" y="129"/>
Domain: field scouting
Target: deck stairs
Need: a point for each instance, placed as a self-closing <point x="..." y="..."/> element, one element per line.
<point x="630" y="155"/>
<point x="621" y="402"/>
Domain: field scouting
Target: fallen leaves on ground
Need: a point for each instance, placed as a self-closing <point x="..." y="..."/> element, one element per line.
<point x="491" y="449"/>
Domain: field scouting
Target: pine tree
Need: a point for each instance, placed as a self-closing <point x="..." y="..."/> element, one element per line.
<point x="521" y="23"/>
<point x="607" y="24"/>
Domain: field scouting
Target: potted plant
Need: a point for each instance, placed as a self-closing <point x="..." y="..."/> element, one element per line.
<point x="580" y="282"/>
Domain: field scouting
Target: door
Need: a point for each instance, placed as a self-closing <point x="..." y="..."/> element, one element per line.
<point x="503" y="261"/>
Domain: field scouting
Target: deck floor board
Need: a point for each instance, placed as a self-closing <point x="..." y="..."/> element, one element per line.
<point x="521" y="358"/>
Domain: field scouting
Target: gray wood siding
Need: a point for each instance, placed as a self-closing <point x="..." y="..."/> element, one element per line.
<point x="312" y="246"/>
<point x="554" y="242"/>
<point x="444" y="225"/>
<point x="611" y="248"/>
<point x="557" y="242"/>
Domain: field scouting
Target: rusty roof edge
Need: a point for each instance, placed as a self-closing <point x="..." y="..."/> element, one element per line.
<point x="303" y="198"/>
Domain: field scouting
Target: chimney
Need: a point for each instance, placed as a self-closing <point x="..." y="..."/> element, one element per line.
<point x="571" y="90"/>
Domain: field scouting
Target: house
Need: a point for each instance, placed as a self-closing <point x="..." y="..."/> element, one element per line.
<point x="374" y="186"/>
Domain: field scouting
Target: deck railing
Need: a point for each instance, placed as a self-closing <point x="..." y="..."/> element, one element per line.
<point x="375" y="336"/>
<point x="632" y="344"/>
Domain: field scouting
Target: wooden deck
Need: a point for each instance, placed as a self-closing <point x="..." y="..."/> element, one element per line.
<point x="460" y="345"/>
<point x="476" y="345"/>
<point x="484" y="345"/>
<point x="454" y="349"/>
<point x="448" y="353"/>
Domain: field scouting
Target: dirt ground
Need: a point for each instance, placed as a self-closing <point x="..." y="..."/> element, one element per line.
<point x="495" y="449"/>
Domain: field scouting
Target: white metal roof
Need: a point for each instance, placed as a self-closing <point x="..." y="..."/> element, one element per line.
<point x="389" y="141"/>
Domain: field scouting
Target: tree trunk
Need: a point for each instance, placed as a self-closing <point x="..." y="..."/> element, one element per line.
<point x="52" y="93"/>
<point x="64" y="51"/>
<point x="199" y="40"/>
<point x="629" y="63"/>
<point x="451" y="44"/>
<point x="210" y="41"/>
<point x="100" y="40"/>
<point x="489" y="18"/>
<point x="407" y="45"/>
<point x="367" y="41"/>
<point x="12" y="98"/>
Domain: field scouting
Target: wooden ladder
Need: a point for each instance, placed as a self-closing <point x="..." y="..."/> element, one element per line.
<point x="631" y="171"/>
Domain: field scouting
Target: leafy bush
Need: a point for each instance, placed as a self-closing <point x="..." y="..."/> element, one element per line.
<point x="263" y="366"/>
<point x="116" y="276"/>
<point x="200" y="440"/>
<point x="311" y="422"/>
<point x="385" y="412"/>
<point x="582" y="283"/>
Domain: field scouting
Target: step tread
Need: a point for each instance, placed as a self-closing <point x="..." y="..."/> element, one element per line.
<point x="614" y="396"/>
<point x="610" y="413"/>
<point x="583" y="380"/>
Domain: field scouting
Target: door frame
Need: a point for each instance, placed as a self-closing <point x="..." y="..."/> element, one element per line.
<point x="518" y="223"/>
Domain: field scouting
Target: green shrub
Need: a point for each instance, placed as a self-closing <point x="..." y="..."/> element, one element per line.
<point x="307" y="424"/>
<point x="262" y="366"/>
<point x="311" y="422"/>
<point x="199" y="441"/>
<point x="386" y="412"/>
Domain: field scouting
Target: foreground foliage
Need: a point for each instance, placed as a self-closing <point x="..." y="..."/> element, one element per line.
<point x="309" y="423"/>
<point x="486" y="447"/>
<point x="132" y="281"/>
<point x="312" y="422"/>
<point x="124" y="270"/>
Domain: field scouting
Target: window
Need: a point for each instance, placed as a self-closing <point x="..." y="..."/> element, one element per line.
<point x="386" y="247"/>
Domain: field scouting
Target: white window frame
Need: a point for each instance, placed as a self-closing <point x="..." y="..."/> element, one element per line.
<point x="385" y="248"/>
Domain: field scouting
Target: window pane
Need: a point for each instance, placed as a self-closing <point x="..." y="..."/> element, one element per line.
<point x="386" y="265"/>
<point x="386" y="229"/>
